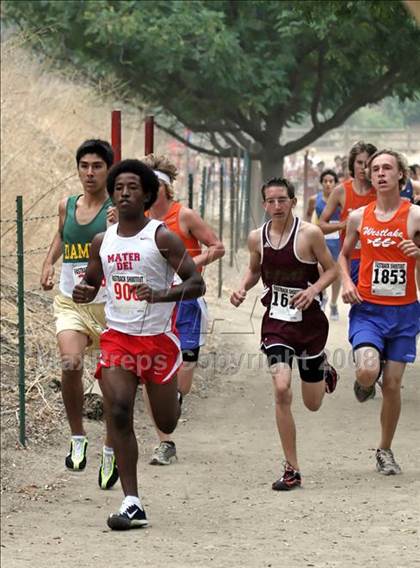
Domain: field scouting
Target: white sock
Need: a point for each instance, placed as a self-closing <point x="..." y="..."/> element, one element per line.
<point x="130" y="500"/>
<point x="108" y="451"/>
<point x="78" y="438"/>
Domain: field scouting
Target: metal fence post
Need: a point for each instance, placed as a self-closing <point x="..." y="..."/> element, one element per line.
<point x="149" y="133"/>
<point x="190" y="191"/>
<point x="21" y="317"/>
<point x="116" y="134"/>
<point x="221" y="222"/>
<point x="203" y="196"/>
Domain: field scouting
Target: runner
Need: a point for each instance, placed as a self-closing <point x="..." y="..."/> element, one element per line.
<point x="351" y="194"/>
<point x="192" y="317"/>
<point x="285" y="253"/>
<point x="78" y="328"/>
<point x="316" y="205"/>
<point x="411" y="190"/>
<point x="384" y="318"/>
<point x="138" y="258"/>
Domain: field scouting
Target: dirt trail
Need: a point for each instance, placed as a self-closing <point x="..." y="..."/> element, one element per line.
<point x="215" y="506"/>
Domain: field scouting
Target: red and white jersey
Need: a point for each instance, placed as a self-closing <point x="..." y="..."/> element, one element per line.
<point x="128" y="261"/>
<point x="386" y="274"/>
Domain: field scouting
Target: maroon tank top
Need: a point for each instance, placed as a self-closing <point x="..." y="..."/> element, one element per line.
<point x="282" y="267"/>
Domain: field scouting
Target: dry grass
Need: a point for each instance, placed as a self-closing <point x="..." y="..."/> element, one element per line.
<point x="45" y="116"/>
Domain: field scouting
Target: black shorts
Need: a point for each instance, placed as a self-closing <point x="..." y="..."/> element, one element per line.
<point x="306" y="338"/>
<point x="190" y="355"/>
<point x="311" y="369"/>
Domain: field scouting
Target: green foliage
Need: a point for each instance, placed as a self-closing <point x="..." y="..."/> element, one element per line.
<point x="389" y="113"/>
<point x="243" y="70"/>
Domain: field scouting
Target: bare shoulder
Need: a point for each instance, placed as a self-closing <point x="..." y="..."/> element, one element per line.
<point x="357" y="214"/>
<point x="354" y="219"/>
<point x="338" y="191"/>
<point x="414" y="213"/>
<point x="188" y="216"/>
<point x="254" y="239"/>
<point x="62" y="204"/>
<point x="310" y="230"/>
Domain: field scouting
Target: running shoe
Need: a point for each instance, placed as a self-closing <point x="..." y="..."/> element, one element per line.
<point x="289" y="480"/>
<point x="76" y="458"/>
<point x="334" y="313"/>
<point x="385" y="462"/>
<point x="108" y="471"/>
<point x="163" y="454"/>
<point x="131" y="517"/>
<point x="363" y="394"/>
<point x="330" y="377"/>
<point x="324" y="301"/>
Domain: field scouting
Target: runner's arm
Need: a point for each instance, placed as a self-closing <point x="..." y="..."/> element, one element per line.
<point x="55" y="250"/>
<point x="311" y="208"/>
<point x="204" y="235"/>
<point x="86" y="291"/>
<point x="253" y="272"/>
<point x="350" y="293"/>
<point x="172" y="248"/>
<point x="416" y="192"/>
<point x="334" y="201"/>
<point x="302" y="300"/>
<point x="411" y="247"/>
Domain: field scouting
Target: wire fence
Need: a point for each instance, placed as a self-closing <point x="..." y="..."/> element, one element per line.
<point x="220" y="192"/>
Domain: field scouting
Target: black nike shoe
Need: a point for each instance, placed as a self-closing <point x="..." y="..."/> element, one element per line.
<point x="132" y="517"/>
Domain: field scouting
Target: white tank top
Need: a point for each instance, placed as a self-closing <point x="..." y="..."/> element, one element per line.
<point x="127" y="261"/>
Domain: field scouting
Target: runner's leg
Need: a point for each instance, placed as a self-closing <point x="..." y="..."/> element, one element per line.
<point x="391" y="401"/>
<point x="282" y="379"/>
<point x="72" y="345"/>
<point x="119" y="391"/>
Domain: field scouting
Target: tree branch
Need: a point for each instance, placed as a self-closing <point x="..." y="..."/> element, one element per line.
<point x="219" y="153"/>
<point x="376" y="92"/>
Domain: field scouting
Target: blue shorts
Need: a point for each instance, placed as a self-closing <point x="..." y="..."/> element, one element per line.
<point x="391" y="329"/>
<point x="191" y="323"/>
<point x="354" y="270"/>
<point x="334" y="247"/>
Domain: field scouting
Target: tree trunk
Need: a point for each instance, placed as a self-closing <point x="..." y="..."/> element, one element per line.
<point x="268" y="167"/>
<point x="271" y="165"/>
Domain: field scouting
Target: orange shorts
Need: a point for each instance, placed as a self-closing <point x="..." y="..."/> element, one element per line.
<point x="153" y="358"/>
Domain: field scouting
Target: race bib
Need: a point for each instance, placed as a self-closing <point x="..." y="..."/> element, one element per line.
<point x="124" y="296"/>
<point x="79" y="271"/>
<point x="389" y="278"/>
<point x="280" y="308"/>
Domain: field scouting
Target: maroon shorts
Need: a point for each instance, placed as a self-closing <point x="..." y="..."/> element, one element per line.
<point x="153" y="358"/>
<point x="307" y="338"/>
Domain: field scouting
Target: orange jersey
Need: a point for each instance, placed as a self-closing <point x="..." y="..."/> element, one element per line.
<point x="386" y="275"/>
<point x="171" y="220"/>
<point x="353" y="201"/>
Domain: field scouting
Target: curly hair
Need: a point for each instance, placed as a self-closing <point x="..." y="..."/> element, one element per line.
<point x="163" y="164"/>
<point x="149" y="181"/>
